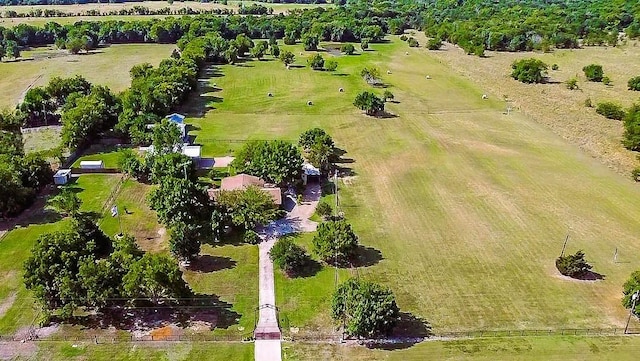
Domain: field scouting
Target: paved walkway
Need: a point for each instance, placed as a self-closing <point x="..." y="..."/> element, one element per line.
<point x="267" y="333"/>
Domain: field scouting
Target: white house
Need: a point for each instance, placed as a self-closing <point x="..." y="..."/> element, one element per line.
<point x="62" y="176"/>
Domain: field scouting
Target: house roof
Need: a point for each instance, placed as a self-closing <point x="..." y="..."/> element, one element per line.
<point x="310" y="169"/>
<point x="241" y="181"/>
<point x="176" y="118"/>
<point x="62" y="173"/>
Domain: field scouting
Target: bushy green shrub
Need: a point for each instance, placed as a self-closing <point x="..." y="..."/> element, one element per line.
<point x="434" y="44"/>
<point x="529" y="70"/>
<point x="610" y="110"/>
<point x="573" y="265"/>
<point x="634" y="83"/>
<point x="572" y="83"/>
<point x="554" y="67"/>
<point x="593" y="72"/>
<point x="324" y="209"/>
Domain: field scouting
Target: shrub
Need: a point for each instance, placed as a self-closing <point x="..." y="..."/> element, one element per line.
<point x="593" y="72"/>
<point x="348" y="49"/>
<point x="634" y="83"/>
<point x="588" y="103"/>
<point x="387" y="95"/>
<point x="554" y="67"/>
<point x="572" y="83"/>
<point x="324" y="209"/>
<point x="413" y="43"/>
<point x="364" y="44"/>
<point x="251" y="237"/>
<point x="316" y="61"/>
<point x="635" y="174"/>
<point x="288" y="256"/>
<point x="606" y="80"/>
<point x="631" y="137"/>
<point x="610" y="110"/>
<point x="529" y="70"/>
<point x="403" y="37"/>
<point x="434" y="44"/>
<point x="331" y="65"/>
<point x="573" y="265"/>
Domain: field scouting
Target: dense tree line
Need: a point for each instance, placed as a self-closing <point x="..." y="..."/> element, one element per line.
<point x="82" y="268"/>
<point x="475" y="25"/>
<point x="135" y="10"/>
<point x="21" y="176"/>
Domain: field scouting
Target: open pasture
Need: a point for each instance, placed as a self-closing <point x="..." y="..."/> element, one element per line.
<point x="469" y="207"/>
<point x="558" y="108"/>
<point x="105" y="66"/>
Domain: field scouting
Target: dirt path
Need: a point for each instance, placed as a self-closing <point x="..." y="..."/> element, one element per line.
<point x="268" y="345"/>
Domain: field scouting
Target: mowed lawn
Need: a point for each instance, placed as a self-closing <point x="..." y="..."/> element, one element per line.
<point x="105" y="66"/>
<point x="532" y="348"/>
<point x="469" y="207"/>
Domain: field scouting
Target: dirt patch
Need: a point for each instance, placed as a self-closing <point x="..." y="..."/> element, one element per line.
<point x="7" y="303"/>
<point x="166" y="333"/>
<point x="14" y="350"/>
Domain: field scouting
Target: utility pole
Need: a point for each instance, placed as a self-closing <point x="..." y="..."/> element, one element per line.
<point x="634" y="298"/>
<point x="564" y="246"/>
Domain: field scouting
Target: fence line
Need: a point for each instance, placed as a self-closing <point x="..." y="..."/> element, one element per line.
<point x="329" y="337"/>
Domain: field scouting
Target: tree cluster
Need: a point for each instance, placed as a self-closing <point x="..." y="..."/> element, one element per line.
<point x="244" y="209"/>
<point x="610" y="110"/>
<point x="276" y="161"/>
<point x="318" y="147"/>
<point x="369" y="102"/>
<point x="81" y="268"/>
<point x="21" y="176"/>
<point x="628" y="289"/>
<point x="288" y="256"/>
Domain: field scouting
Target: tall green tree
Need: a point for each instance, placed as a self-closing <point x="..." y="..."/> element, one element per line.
<point x="367" y="309"/>
<point x="631" y="286"/>
<point x="287" y="57"/>
<point x="157" y="278"/>
<point x="310" y="42"/>
<point x="593" y="72"/>
<point x="369" y="102"/>
<point x="335" y="241"/>
<point x="316" y="61"/>
<point x="631" y="136"/>
<point x="167" y="137"/>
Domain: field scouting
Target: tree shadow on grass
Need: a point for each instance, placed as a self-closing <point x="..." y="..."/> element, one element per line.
<point x="206" y="263"/>
<point x="590" y="276"/>
<point x="311" y="268"/>
<point x="409" y="331"/>
<point x="366" y="257"/>
<point x="201" y="308"/>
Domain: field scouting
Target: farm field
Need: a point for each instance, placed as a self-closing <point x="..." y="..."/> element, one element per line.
<point x="105" y="66"/>
<point x="554" y="105"/>
<point x="79" y="9"/>
<point x="468" y="207"/>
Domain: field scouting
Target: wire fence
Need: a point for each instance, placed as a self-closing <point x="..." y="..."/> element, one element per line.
<point x="320" y="337"/>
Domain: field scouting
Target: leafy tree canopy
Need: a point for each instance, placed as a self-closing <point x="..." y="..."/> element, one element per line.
<point x="275" y="161"/>
<point x="335" y="241"/>
<point x="367" y="309"/>
<point x="529" y="70"/>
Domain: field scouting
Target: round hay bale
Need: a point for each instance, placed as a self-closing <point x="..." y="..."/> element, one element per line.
<point x="341" y="90"/>
<point x="309" y="102"/>
<point x="407" y="53"/>
<point x="215" y="85"/>
<point x="269" y="94"/>
<point x="485" y="96"/>
<point x="388" y="71"/>
<point x="428" y="77"/>
<point x="301" y="53"/>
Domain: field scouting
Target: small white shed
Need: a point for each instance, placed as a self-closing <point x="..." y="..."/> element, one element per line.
<point x="192" y="151"/>
<point x="91" y="164"/>
<point x="62" y="176"/>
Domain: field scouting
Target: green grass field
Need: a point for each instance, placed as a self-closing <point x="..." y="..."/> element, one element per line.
<point x="106" y="66"/>
<point x="533" y="348"/>
<point x="469" y="207"/>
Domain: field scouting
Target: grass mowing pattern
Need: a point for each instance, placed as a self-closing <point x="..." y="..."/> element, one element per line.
<point x="469" y="207"/>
